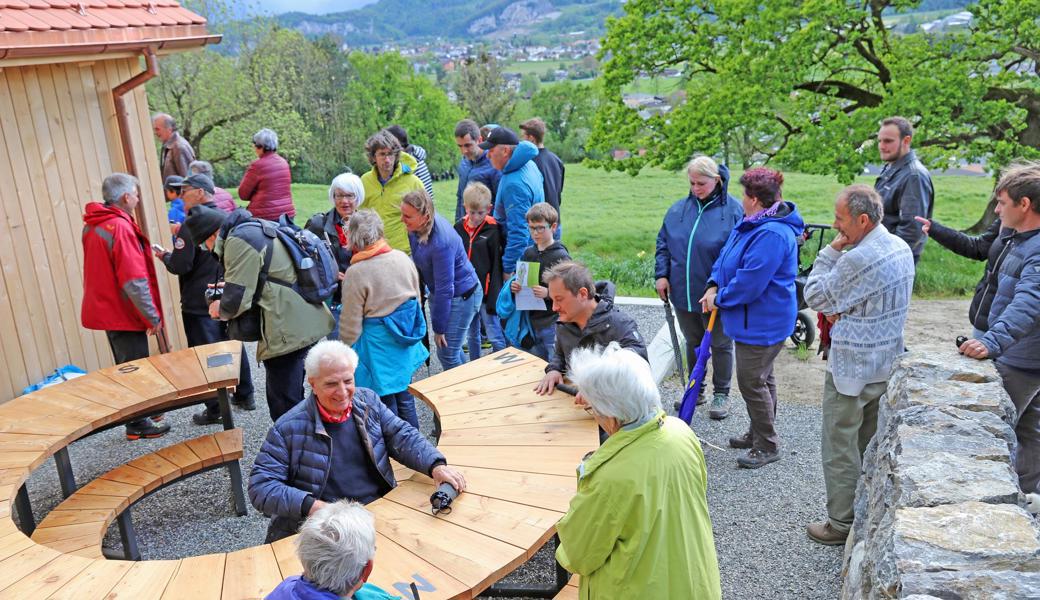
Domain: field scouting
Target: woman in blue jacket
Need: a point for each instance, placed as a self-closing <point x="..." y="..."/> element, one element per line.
<point x="691" y="238"/>
<point x="455" y="293"/>
<point x="752" y="285"/>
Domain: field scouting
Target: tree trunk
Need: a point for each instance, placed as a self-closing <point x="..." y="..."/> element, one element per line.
<point x="988" y="216"/>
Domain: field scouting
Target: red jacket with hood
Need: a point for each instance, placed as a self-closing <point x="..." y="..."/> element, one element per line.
<point x="267" y="187"/>
<point x="120" y="290"/>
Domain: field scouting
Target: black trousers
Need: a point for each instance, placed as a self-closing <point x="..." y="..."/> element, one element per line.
<point x="285" y="381"/>
<point x="201" y="330"/>
<point x="127" y="346"/>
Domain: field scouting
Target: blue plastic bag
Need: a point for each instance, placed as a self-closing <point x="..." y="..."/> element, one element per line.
<point x="58" y="376"/>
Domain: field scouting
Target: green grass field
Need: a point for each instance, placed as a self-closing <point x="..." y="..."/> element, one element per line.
<point x="610" y="221"/>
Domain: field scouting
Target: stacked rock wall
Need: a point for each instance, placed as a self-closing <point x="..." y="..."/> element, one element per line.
<point x="938" y="509"/>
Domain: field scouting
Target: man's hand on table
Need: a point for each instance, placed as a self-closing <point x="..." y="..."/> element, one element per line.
<point x="445" y="474"/>
<point x="549" y="383"/>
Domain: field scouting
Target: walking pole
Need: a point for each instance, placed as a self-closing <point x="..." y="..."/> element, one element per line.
<point x="693" y="388"/>
<point x="675" y="339"/>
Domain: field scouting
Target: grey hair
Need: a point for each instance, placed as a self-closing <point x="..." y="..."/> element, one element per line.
<point x="266" y="139"/>
<point x="116" y="186"/>
<point x="863" y="200"/>
<point x="615" y="382"/>
<point x="702" y="165"/>
<point x="325" y="352"/>
<point x="347" y="182"/>
<point x="201" y="166"/>
<point x="364" y="229"/>
<point x="335" y="544"/>
<point x="167" y="120"/>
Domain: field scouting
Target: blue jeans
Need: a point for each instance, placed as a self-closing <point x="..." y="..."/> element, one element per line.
<point x="493" y="329"/>
<point x="460" y="315"/>
<point x="545" y="343"/>
<point x="335" y="309"/>
<point x="402" y="404"/>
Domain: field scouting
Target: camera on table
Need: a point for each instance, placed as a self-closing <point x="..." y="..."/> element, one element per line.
<point x="214" y="294"/>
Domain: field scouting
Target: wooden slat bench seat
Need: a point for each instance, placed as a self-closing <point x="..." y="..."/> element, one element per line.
<point x="77" y="525"/>
<point x="569" y="591"/>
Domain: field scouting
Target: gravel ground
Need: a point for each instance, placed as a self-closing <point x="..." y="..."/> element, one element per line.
<point x="758" y="516"/>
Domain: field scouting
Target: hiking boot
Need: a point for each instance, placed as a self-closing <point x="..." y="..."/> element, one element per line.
<point x="702" y="399"/>
<point x="756" y="458"/>
<point x="146" y="428"/>
<point x="204" y="417"/>
<point x="158" y="418"/>
<point x="718" y="409"/>
<point x="247" y="403"/>
<point x="742" y="442"/>
<point x="823" y="533"/>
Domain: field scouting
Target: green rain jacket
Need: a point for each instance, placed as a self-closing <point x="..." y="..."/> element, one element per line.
<point x="385" y="199"/>
<point x="289" y="322"/>
<point x="639" y="525"/>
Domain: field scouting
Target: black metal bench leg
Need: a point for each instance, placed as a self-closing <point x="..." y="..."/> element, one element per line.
<point x="66" y="477"/>
<point x="225" y="409"/>
<point x="533" y="591"/>
<point x="128" y="536"/>
<point x="235" y="471"/>
<point x="24" y="509"/>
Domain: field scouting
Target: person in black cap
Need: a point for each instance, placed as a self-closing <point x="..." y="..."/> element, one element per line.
<point x="196" y="267"/>
<point x="518" y="190"/>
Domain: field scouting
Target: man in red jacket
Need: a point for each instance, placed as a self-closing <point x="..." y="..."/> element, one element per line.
<point x="120" y="291"/>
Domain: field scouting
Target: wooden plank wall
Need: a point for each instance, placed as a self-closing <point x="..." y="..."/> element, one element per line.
<point x="58" y="140"/>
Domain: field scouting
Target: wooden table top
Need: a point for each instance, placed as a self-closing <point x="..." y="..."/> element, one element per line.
<point x="517" y="450"/>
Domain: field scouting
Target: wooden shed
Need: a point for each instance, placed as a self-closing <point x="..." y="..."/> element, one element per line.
<point x="73" y="109"/>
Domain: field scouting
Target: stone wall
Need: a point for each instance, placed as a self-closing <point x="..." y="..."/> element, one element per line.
<point x="938" y="509"/>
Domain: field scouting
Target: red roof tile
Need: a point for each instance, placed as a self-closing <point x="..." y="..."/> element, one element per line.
<point x="54" y="27"/>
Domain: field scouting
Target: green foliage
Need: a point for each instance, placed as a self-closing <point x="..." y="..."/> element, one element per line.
<point x="482" y="92"/>
<point x="567" y="109"/>
<point x="813" y="101"/>
<point x="529" y="84"/>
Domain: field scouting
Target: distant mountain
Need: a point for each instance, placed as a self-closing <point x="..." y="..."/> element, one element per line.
<point x="407" y="20"/>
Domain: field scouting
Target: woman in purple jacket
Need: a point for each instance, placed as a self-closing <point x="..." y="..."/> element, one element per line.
<point x="455" y="293"/>
<point x="267" y="184"/>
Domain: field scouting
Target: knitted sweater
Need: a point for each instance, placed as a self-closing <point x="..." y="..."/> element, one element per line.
<point x="375" y="287"/>
<point x="869" y="285"/>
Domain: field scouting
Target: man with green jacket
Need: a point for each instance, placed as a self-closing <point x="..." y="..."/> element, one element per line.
<point x="639" y="525"/>
<point x="289" y="324"/>
<point x="392" y="176"/>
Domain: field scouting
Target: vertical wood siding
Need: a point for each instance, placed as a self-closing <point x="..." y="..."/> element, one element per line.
<point x="58" y="140"/>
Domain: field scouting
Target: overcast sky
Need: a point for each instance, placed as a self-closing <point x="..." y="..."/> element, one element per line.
<point x="316" y="7"/>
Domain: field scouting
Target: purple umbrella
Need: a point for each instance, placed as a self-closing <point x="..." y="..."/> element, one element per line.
<point x="693" y="388"/>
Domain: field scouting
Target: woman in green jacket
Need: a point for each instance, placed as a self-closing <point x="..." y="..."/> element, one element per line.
<point x="639" y="525"/>
<point x="392" y="176"/>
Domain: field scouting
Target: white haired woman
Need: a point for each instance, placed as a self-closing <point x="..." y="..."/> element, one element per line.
<point x="382" y="318"/>
<point x="337" y="547"/>
<point x="690" y="240"/>
<point x="267" y="184"/>
<point x="639" y="525"/>
<point x="346" y="194"/>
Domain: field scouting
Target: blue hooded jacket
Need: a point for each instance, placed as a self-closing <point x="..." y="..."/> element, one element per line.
<point x="480" y="170"/>
<point x="690" y="240"/>
<point x="390" y="349"/>
<point x="445" y="269"/>
<point x="519" y="188"/>
<point x="516" y="324"/>
<point x="755" y="273"/>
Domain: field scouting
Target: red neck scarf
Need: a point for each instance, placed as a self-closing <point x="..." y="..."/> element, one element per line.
<point x="327" y="417"/>
<point x="380" y="247"/>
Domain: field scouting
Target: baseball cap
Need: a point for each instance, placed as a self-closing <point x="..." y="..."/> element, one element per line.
<point x="500" y="136"/>
<point x="200" y="181"/>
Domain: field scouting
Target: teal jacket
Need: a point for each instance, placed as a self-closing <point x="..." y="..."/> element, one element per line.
<point x="390" y="349"/>
<point x="639" y="525"/>
<point x="519" y="189"/>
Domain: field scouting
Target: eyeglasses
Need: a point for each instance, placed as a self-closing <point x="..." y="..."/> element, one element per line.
<point x="537" y="228"/>
<point x="384" y="154"/>
<point x="344" y="196"/>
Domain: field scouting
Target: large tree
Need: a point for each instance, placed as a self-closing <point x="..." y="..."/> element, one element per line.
<point x="805" y="83"/>
<point x="482" y="92"/>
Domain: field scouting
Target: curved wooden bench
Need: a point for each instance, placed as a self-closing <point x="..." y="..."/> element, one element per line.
<point x="77" y="526"/>
<point x="569" y="591"/>
<point x="518" y="452"/>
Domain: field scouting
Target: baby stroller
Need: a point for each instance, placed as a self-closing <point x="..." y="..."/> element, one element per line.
<point x="804" y="325"/>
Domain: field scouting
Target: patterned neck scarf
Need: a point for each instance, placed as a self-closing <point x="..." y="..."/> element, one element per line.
<point x="764" y="213"/>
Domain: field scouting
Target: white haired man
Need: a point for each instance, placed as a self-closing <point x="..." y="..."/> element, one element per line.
<point x="638" y="526"/>
<point x="862" y="283"/>
<point x="337" y="547"/>
<point x="336" y="444"/>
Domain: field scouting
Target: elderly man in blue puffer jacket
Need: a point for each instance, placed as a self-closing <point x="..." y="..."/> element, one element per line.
<point x="336" y="444"/>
